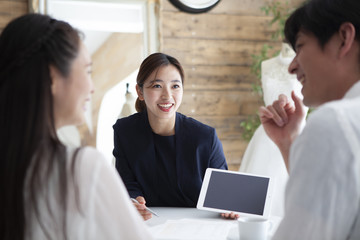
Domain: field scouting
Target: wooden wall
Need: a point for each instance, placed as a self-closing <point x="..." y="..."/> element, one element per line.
<point x="11" y="9"/>
<point x="215" y="50"/>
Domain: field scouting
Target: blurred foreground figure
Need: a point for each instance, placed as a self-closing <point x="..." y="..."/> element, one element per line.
<point x="49" y="191"/>
<point x="323" y="192"/>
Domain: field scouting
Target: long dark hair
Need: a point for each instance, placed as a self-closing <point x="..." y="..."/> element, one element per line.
<point x="152" y="63"/>
<point x="29" y="145"/>
<point x="322" y="18"/>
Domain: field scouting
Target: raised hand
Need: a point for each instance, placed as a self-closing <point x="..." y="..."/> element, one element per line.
<point x="282" y="122"/>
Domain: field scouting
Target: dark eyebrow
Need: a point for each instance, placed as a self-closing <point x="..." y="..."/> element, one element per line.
<point x="159" y="80"/>
<point x="156" y="80"/>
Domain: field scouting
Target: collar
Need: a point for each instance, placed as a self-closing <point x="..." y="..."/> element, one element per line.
<point x="354" y="91"/>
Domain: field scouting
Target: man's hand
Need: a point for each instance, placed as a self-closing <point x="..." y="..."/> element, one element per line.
<point x="282" y="122"/>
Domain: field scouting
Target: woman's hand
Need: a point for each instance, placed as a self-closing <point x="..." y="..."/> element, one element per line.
<point x="230" y="215"/>
<point x="140" y="206"/>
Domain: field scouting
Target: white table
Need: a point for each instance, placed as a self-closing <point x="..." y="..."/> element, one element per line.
<point x="184" y="214"/>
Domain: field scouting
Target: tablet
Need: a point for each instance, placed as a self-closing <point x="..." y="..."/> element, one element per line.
<point x="229" y="191"/>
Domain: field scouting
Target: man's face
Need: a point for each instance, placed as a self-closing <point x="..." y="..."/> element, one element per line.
<point x="316" y="68"/>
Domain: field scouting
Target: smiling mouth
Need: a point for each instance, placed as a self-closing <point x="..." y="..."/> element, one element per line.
<point x="165" y="107"/>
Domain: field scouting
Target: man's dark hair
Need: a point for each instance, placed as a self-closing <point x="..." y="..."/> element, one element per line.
<point x="322" y="18"/>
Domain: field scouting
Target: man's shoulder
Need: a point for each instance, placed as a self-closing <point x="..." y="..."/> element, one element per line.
<point x="333" y="111"/>
<point x="329" y="125"/>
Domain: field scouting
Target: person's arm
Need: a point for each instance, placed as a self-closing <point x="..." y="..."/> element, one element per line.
<point x="321" y="199"/>
<point x="217" y="156"/>
<point x="123" y="168"/>
<point x="282" y="122"/>
<point x="129" y="179"/>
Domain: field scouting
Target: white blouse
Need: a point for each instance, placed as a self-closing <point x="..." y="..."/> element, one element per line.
<point x="106" y="211"/>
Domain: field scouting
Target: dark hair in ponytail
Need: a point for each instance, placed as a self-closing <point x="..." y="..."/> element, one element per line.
<point x="151" y="64"/>
<point x="30" y="148"/>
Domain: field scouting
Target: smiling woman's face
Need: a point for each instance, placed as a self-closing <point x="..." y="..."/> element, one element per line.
<point x="162" y="92"/>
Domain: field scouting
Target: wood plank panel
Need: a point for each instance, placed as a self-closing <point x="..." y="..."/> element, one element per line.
<point x="5" y="13"/>
<point x="10" y="10"/>
<point x="244" y="7"/>
<point x="218" y="103"/>
<point x="239" y="7"/>
<point x="213" y="52"/>
<point x="19" y="8"/>
<point x="13" y="7"/>
<point x="234" y="150"/>
<point x="216" y="26"/>
<point x="233" y="167"/>
<point x="218" y="78"/>
<point x="227" y="127"/>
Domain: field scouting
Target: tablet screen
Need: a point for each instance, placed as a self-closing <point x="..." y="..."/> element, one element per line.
<point x="236" y="192"/>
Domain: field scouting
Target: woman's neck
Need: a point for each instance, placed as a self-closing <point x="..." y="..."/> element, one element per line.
<point x="161" y="126"/>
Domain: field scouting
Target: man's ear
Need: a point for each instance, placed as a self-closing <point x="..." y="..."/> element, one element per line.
<point x="347" y="35"/>
<point x="139" y="92"/>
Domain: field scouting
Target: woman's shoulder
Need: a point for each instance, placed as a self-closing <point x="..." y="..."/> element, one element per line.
<point x="91" y="169"/>
<point x="193" y="124"/>
<point x="103" y="199"/>
<point x="129" y="121"/>
<point x="91" y="152"/>
<point x="86" y="151"/>
<point x="87" y="159"/>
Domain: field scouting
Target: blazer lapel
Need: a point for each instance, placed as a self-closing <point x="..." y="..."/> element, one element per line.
<point x="146" y="146"/>
<point x="181" y="164"/>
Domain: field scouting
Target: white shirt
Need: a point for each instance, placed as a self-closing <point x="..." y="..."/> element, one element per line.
<point x="106" y="211"/>
<point x="323" y="192"/>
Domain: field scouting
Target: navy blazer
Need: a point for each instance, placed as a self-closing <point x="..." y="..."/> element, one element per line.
<point x="197" y="148"/>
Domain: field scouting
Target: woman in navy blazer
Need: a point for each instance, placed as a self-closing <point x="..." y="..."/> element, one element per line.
<point x="161" y="154"/>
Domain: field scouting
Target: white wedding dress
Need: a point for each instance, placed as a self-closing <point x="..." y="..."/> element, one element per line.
<point x="262" y="156"/>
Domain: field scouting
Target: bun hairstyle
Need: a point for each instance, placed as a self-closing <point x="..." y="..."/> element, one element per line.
<point x="152" y="63"/>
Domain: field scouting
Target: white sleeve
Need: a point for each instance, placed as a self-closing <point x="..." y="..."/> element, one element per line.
<point x="109" y="211"/>
<point x="321" y="198"/>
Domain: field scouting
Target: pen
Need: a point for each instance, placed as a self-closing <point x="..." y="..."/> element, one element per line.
<point x="148" y="209"/>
